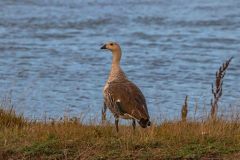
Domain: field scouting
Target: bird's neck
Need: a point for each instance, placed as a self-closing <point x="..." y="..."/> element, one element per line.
<point x="116" y="73"/>
<point x="116" y="57"/>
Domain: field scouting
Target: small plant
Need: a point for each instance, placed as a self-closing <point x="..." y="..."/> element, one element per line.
<point x="8" y="118"/>
<point x="217" y="89"/>
<point x="185" y="110"/>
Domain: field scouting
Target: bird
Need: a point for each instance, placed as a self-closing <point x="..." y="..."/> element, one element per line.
<point x="121" y="96"/>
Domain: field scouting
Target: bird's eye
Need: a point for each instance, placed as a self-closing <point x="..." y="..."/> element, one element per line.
<point x="111" y="44"/>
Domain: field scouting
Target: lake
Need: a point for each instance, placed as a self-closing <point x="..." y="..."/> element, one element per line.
<point x="51" y="63"/>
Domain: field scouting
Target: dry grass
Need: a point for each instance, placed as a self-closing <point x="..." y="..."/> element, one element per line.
<point x="8" y="118"/>
<point x="69" y="139"/>
<point x="184" y="110"/>
<point x="217" y="89"/>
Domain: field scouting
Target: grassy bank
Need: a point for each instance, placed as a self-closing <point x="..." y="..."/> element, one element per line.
<point x="21" y="139"/>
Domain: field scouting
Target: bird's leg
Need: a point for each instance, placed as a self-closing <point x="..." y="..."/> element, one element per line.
<point x="134" y="124"/>
<point x="104" y="109"/>
<point x="116" y="123"/>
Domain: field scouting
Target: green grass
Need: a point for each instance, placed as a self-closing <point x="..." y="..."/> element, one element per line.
<point x="21" y="139"/>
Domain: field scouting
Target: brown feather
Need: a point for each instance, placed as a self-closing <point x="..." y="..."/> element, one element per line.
<point x="123" y="98"/>
<point x="130" y="98"/>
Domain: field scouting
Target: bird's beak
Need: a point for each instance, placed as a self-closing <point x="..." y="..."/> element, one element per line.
<point x="104" y="47"/>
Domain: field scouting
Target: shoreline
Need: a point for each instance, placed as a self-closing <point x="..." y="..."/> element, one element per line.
<point x="69" y="139"/>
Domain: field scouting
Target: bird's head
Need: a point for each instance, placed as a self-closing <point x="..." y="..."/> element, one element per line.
<point x="112" y="46"/>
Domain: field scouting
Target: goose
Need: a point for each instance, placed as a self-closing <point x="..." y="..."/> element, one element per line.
<point x="121" y="96"/>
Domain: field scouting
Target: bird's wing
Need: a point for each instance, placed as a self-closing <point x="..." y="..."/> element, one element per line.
<point x="126" y="98"/>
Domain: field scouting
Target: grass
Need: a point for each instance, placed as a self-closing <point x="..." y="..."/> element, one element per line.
<point x="217" y="89"/>
<point x="8" y="118"/>
<point x="67" y="139"/>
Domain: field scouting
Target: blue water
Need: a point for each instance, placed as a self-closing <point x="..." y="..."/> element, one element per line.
<point x="50" y="61"/>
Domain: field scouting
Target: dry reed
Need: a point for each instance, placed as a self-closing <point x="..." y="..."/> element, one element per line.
<point x="184" y="110"/>
<point x="217" y="89"/>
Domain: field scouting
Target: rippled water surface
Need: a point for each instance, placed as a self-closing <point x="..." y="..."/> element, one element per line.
<point x="50" y="61"/>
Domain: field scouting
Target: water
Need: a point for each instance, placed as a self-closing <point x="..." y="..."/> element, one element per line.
<point x="50" y="61"/>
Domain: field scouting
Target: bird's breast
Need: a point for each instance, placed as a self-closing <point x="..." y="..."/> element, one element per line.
<point x="105" y="87"/>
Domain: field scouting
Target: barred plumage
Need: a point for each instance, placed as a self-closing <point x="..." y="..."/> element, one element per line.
<point x="123" y="98"/>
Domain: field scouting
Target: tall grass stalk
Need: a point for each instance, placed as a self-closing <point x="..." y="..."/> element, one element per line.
<point x="217" y="89"/>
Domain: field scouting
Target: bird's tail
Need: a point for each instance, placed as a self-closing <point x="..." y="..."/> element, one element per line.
<point x="144" y="123"/>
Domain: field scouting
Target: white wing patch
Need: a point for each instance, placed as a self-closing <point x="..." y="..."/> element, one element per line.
<point x="127" y="116"/>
